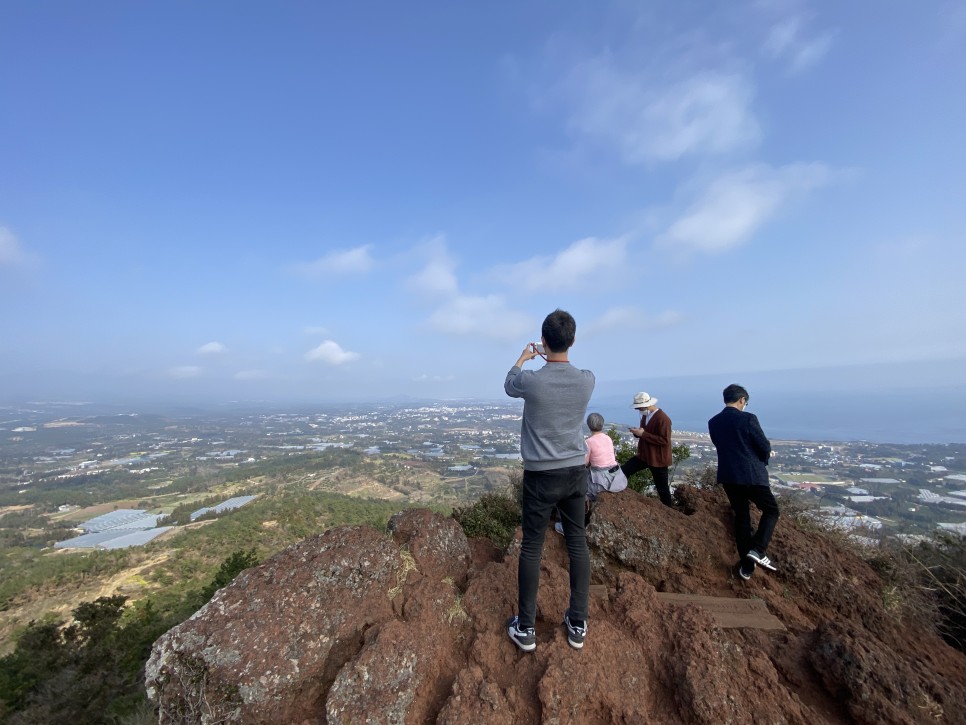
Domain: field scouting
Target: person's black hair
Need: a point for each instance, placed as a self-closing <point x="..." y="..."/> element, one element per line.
<point x="559" y="329"/>
<point x="733" y="393"/>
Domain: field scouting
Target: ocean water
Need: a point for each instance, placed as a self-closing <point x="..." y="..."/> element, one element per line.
<point x="920" y="416"/>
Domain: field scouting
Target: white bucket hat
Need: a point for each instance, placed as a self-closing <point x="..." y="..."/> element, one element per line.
<point x="643" y="400"/>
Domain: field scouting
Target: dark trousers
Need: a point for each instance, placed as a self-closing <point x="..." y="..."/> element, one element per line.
<point x="660" y="475"/>
<point x="565" y="489"/>
<point x="740" y="495"/>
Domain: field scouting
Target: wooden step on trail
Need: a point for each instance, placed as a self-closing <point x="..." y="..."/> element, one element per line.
<point x="727" y="612"/>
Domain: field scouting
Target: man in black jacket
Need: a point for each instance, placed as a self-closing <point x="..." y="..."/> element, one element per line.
<point x="743" y="453"/>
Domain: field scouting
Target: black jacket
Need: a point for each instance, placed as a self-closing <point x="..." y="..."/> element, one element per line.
<point x="743" y="450"/>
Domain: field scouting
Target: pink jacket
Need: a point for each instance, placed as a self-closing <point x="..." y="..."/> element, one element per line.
<point x="600" y="451"/>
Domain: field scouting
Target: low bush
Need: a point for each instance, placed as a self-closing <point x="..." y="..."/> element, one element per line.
<point x="642" y="480"/>
<point x="494" y="515"/>
<point x="706" y="477"/>
<point x="939" y="570"/>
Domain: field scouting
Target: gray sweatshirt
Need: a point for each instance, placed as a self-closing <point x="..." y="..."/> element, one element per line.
<point x="555" y="403"/>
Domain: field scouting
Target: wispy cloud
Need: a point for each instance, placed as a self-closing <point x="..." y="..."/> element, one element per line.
<point x="212" y="348"/>
<point x="788" y="40"/>
<point x="650" y="119"/>
<point x="331" y="353"/>
<point x="185" y="372"/>
<point x="438" y="275"/>
<point x="487" y="317"/>
<point x="316" y="330"/>
<point x="424" y="378"/>
<point x="248" y="375"/>
<point x="736" y="205"/>
<point x="586" y="260"/>
<point x="457" y="314"/>
<point x="707" y="113"/>
<point x="632" y="318"/>
<point x="11" y="253"/>
<point x="347" y="261"/>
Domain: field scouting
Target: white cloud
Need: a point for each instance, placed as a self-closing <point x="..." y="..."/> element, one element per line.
<point x="786" y="41"/>
<point x="735" y="206"/>
<point x="347" y="261"/>
<point x="424" y="378"/>
<point x="707" y="113"/>
<point x="330" y="353"/>
<point x="212" y="348"/>
<point x="11" y="253"/>
<point x="584" y="262"/>
<point x="481" y="316"/>
<point x="632" y="318"/>
<point x="185" y="372"/>
<point x="649" y="119"/>
<point x="246" y="375"/>
<point x="437" y="277"/>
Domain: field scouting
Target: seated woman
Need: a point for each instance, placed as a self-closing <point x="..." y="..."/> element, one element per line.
<point x="603" y="473"/>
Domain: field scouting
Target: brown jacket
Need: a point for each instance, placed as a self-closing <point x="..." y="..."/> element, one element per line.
<point x="654" y="445"/>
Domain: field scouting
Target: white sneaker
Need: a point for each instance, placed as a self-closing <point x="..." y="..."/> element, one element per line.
<point x="761" y="560"/>
<point x="558" y="527"/>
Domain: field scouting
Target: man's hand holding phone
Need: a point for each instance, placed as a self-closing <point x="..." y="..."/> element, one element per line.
<point x="529" y="352"/>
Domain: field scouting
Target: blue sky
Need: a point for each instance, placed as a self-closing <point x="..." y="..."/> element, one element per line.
<point x="299" y="200"/>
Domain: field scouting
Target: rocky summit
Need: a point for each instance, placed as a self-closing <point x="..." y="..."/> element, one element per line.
<point x="358" y="625"/>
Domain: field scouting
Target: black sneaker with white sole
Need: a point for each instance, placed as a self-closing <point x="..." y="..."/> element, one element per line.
<point x="576" y="631"/>
<point x="762" y="560"/>
<point x="746" y="569"/>
<point x="524" y="638"/>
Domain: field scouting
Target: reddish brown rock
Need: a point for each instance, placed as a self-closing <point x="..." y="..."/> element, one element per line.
<point x="359" y="626"/>
<point x="436" y="542"/>
<point x="268" y="647"/>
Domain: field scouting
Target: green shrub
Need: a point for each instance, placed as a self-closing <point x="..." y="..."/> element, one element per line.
<point x="494" y="516"/>
<point x="230" y="568"/>
<point x="625" y="451"/>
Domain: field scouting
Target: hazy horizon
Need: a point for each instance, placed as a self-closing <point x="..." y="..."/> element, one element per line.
<point x="887" y="403"/>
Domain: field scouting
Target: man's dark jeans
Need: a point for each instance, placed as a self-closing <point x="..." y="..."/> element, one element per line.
<point x="740" y="495"/>
<point x="661" y="482"/>
<point x="566" y="490"/>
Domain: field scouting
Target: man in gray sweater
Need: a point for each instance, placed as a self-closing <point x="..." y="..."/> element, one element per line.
<point x="554" y="475"/>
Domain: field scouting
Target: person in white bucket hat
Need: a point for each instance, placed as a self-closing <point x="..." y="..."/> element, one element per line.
<point x="653" y="446"/>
